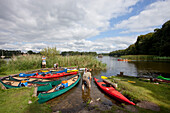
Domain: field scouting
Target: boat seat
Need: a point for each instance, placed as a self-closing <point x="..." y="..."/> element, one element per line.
<point x="106" y="85"/>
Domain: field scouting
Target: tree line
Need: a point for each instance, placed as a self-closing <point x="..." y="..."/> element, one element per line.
<point x="72" y="53"/>
<point x="50" y="52"/>
<point x="154" y="43"/>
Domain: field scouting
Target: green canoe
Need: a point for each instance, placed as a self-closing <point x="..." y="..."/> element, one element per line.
<point x="35" y="80"/>
<point x="15" y="84"/>
<point x="45" y="96"/>
<point x="163" y="78"/>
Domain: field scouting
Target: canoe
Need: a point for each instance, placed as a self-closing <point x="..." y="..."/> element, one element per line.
<point x="41" y="73"/>
<point x="112" y="92"/>
<point x="45" y="96"/>
<point x="163" y="78"/>
<point x="72" y="70"/>
<point x="17" y="84"/>
<point x="35" y="80"/>
<point x="53" y="75"/>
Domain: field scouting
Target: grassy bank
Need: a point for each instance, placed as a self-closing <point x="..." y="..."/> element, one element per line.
<point x="16" y="101"/>
<point x="145" y="91"/>
<point x="144" y="57"/>
<point x="31" y="62"/>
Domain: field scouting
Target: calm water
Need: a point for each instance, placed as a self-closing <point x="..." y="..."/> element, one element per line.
<point x="75" y="100"/>
<point x="135" y="68"/>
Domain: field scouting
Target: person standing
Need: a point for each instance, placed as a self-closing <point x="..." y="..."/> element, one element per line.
<point x="86" y="79"/>
<point x="43" y="62"/>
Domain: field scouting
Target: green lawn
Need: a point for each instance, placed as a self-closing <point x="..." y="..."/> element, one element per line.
<point x="16" y="101"/>
<point x="144" y="91"/>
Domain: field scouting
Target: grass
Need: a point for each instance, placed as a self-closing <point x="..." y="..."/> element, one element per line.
<point x="144" y="57"/>
<point x="32" y="62"/>
<point x="145" y="91"/>
<point x="16" y="101"/>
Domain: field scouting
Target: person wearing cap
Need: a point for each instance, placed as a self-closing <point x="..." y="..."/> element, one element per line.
<point x="86" y="79"/>
<point x="43" y="62"/>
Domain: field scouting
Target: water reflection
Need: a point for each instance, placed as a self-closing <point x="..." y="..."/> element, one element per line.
<point x="86" y="95"/>
<point x="114" y="67"/>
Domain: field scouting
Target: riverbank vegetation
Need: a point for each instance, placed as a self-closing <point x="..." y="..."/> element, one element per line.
<point x="17" y="101"/>
<point x="31" y="62"/>
<point x="144" y="57"/>
<point x="138" y="91"/>
<point x="156" y="43"/>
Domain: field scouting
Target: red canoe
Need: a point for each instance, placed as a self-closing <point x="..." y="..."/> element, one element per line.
<point x="53" y="75"/>
<point x="113" y="92"/>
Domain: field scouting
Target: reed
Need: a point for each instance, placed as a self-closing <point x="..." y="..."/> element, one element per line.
<point x="34" y="62"/>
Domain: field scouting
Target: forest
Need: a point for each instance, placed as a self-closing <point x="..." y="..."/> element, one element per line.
<point x="154" y="43"/>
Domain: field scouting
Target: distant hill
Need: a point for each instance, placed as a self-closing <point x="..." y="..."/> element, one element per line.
<point x="155" y="43"/>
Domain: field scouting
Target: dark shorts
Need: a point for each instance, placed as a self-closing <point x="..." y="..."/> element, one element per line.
<point x="86" y="82"/>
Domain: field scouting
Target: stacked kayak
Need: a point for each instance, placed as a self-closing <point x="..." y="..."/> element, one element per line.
<point x="112" y="92"/>
<point x="60" y="89"/>
<point x="53" y="75"/>
<point x="42" y="73"/>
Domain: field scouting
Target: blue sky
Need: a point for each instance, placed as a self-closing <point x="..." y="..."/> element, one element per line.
<point x="78" y="25"/>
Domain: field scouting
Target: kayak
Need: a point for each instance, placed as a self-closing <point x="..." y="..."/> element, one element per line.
<point x="53" y="75"/>
<point x="163" y="78"/>
<point x="112" y="92"/>
<point x="65" y="86"/>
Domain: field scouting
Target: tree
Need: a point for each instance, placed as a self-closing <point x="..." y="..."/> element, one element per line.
<point x="50" y="52"/>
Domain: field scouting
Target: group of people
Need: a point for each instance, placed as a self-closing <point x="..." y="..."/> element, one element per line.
<point x="86" y="76"/>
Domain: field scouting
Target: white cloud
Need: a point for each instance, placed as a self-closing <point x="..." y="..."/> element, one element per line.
<point x="152" y="16"/>
<point x="32" y="23"/>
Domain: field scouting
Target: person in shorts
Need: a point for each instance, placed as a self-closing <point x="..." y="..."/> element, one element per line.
<point x="86" y="79"/>
<point x="43" y="62"/>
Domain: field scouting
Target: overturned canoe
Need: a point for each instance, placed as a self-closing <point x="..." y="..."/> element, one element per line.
<point x="112" y="92"/>
<point x="45" y="96"/>
<point x="53" y="75"/>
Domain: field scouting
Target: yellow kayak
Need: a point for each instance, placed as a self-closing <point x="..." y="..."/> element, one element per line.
<point x="72" y="70"/>
<point x="103" y="77"/>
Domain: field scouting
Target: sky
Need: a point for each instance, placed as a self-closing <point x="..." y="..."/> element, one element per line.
<point x="98" y="26"/>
